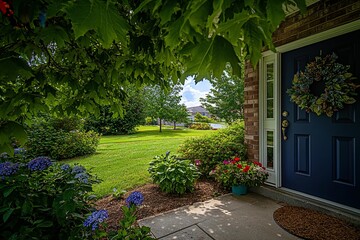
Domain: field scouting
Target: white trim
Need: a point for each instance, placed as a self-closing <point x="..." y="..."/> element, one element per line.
<point x="269" y="124"/>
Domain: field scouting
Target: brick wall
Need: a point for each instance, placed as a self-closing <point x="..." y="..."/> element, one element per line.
<point x="321" y="16"/>
<point x="251" y="111"/>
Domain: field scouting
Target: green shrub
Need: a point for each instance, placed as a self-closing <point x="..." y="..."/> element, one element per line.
<point x="200" y="118"/>
<point x="44" y="200"/>
<point x="200" y="126"/>
<point x="212" y="149"/>
<point x="46" y="140"/>
<point x="173" y="175"/>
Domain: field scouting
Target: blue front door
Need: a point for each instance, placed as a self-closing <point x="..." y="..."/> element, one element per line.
<point x="321" y="155"/>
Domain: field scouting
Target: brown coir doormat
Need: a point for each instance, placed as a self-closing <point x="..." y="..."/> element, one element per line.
<point x="310" y="224"/>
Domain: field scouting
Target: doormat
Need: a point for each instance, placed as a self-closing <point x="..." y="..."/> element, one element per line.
<point x="314" y="225"/>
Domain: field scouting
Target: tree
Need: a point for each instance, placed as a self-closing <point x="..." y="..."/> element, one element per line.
<point x="72" y="56"/>
<point x="226" y="97"/>
<point x="178" y="113"/>
<point x="108" y="124"/>
<point x="164" y="105"/>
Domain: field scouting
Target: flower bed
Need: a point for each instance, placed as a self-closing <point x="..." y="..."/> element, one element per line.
<point x="236" y="172"/>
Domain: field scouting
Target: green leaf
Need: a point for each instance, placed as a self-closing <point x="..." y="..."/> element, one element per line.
<point x="213" y="19"/>
<point x="8" y="130"/>
<point x="7" y="192"/>
<point x="12" y="67"/>
<point x="167" y="10"/>
<point x="97" y="15"/>
<point x="275" y="12"/>
<point x="173" y="36"/>
<point x="224" y="52"/>
<point x="201" y="57"/>
<point x="228" y="28"/>
<point x="7" y="214"/>
<point x="26" y="208"/>
<point x="54" y="34"/>
<point x="45" y="224"/>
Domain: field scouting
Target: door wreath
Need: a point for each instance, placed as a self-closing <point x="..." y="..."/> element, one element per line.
<point x="339" y="86"/>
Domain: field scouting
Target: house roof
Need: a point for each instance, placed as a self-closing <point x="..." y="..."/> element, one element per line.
<point x="196" y="109"/>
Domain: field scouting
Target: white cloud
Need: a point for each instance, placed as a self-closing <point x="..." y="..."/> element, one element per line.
<point x="192" y="93"/>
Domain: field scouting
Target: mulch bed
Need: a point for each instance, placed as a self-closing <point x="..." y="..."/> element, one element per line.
<point x="310" y="224"/>
<point x="155" y="201"/>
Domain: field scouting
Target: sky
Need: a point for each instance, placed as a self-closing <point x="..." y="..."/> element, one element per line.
<point x="192" y="92"/>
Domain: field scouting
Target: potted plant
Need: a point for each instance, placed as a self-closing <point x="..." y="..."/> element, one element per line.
<point x="239" y="175"/>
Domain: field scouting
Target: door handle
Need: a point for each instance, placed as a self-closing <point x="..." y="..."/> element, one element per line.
<point x="284" y="125"/>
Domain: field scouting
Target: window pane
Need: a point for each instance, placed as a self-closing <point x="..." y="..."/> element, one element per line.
<point x="270" y="138"/>
<point x="270" y="157"/>
<point x="270" y="108"/>
<point x="270" y="89"/>
<point x="270" y="149"/>
<point x="270" y="72"/>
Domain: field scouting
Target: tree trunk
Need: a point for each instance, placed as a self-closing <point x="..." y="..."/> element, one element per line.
<point x="174" y="125"/>
<point x="160" y="125"/>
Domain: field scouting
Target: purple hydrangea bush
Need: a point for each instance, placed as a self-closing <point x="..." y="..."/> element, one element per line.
<point x="96" y="219"/>
<point x="56" y="197"/>
<point x="135" y="198"/>
<point x="8" y="169"/>
<point x="39" y="164"/>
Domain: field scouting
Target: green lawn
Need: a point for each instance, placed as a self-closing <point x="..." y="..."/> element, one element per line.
<point x="122" y="161"/>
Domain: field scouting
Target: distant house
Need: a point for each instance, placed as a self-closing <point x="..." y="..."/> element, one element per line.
<point x="198" y="109"/>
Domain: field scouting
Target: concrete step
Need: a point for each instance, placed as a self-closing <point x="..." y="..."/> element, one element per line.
<point x="283" y="195"/>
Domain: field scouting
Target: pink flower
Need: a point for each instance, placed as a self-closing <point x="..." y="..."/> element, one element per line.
<point x="197" y="162"/>
<point x="226" y="162"/>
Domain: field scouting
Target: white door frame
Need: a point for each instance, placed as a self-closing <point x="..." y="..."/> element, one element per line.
<point x="274" y="124"/>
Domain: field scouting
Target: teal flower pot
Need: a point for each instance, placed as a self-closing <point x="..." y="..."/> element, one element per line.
<point x="239" y="190"/>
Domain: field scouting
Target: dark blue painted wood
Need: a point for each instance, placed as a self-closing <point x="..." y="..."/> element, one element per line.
<point x="322" y="155"/>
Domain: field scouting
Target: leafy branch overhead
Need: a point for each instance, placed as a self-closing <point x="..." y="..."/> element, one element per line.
<point x="71" y="56"/>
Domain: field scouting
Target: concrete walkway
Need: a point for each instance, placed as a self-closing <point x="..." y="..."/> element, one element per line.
<point x="223" y="218"/>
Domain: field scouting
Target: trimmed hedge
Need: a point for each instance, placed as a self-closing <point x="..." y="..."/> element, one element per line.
<point x="47" y="139"/>
<point x="215" y="148"/>
<point x="200" y="126"/>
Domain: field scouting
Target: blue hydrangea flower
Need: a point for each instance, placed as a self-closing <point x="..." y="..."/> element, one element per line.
<point x="82" y="177"/>
<point x="39" y="164"/>
<point x="95" y="218"/>
<point x="78" y="169"/>
<point x="135" y="198"/>
<point x="65" y="167"/>
<point x="7" y="169"/>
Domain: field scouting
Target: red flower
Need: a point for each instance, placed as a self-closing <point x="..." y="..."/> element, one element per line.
<point x="246" y="169"/>
<point x="236" y="159"/>
<point x="239" y="166"/>
<point x="258" y="163"/>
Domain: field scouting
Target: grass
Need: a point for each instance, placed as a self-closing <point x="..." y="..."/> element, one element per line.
<point x="122" y="161"/>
